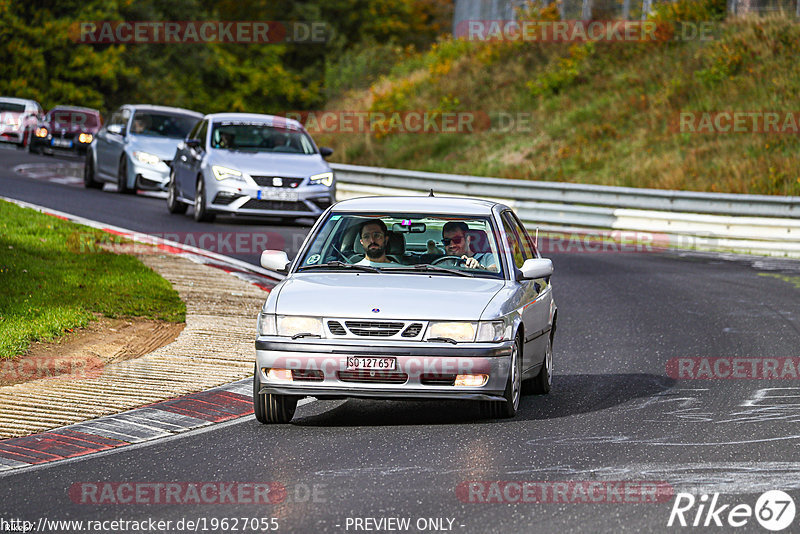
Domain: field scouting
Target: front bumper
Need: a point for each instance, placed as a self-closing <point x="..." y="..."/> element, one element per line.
<point x="11" y="133"/>
<point x="149" y="177"/>
<point x="238" y="197"/>
<point x="423" y="368"/>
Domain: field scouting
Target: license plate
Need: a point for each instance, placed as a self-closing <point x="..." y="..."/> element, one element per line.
<point x="62" y="142"/>
<point x="278" y="194"/>
<point x="357" y="363"/>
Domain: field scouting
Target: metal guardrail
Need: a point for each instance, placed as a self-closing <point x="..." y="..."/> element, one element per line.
<point x="574" y="194"/>
<point x="758" y="224"/>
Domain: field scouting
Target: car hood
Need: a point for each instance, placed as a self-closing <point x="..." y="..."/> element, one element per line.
<point x="397" y="296"/>
<point x="270" y="163"/>
<point x="163" y="147"/>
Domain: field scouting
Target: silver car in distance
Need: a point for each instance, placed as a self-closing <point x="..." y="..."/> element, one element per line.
<point x="407" y="297"/>
<point x="247" y="164"/>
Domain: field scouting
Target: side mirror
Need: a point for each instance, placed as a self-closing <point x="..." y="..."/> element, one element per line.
<point x="275" y="260"/>
<point x="537" y="268"/>
<point x="115" y="129"/>
<point x="325" y="151"/>
<point x="194" y="144"/>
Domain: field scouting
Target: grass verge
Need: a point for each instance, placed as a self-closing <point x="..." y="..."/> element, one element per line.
<point x="52" y="285"/>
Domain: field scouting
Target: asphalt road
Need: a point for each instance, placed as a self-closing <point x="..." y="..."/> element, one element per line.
<point x="615" y="414"/>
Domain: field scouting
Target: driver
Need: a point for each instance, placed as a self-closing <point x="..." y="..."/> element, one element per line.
<point x="457" y="243"/>
<point x="374" y="240"/>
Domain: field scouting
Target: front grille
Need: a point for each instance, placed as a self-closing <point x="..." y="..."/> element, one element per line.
<point x="373" y="328"/>
<point x="65" y="135"/>
<point x="412" y="331"/>
<point x="336" y="328"/>
<point x="435" y="379"/>
<point x="307" y="375"/>
<point x="274" y="205"/>
<point x="373" y="377"/>
<point x="269" y="181"/>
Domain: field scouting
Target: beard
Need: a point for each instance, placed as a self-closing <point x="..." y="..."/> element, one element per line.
<point x="375" y="252"/>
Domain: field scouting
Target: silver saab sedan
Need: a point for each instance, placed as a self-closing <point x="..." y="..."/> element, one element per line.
<point x="248" y="164"/>
<point x="407" y="297"/>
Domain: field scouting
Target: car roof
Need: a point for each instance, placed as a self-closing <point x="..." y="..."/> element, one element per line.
<point x="253" y="117"/>
<point x="14" y="100"/>
<point x="153" y="107"/>
<point x="75" y="108"/>
<point x="418" y="204"/>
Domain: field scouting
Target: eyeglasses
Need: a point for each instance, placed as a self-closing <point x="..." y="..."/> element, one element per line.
<point x="455" y="240"/>
<point x="374" y="235"/>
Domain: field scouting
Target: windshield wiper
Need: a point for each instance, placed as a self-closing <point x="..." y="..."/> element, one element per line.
<point x="341" y="264"/>
<point x="305" y="334"/>
<point x="429" y="267"/>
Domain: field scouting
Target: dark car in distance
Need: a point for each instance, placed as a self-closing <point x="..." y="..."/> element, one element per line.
<point x="66" y="128"/>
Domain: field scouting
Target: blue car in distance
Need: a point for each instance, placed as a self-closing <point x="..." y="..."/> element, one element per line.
<point x="250" y="164"/>
<point x="134" y="148"/>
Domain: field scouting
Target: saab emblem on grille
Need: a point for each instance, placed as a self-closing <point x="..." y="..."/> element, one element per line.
<point x="376" y="310"/>
<point x="277" y="181"/>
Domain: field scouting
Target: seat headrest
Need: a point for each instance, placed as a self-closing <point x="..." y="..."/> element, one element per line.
<point x="479" y="242"/>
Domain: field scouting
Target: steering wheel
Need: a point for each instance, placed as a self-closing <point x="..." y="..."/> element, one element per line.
<point x="455" y="260"/>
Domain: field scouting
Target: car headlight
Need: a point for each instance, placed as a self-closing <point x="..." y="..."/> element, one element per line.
<point x="493" y="331"/>
<point x="41" y="132"/>
<point x="224" y="173"/>
<point x="326" y="179"/>
<point x="266" y="324"/>
<point x="86" y="138"/>
<point x="146" y="157"/>
<point x="457" y="331"/>
<point x="292" y="325"/>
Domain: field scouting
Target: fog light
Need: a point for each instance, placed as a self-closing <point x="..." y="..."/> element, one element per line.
<point x="283" y="375"/>
<point x="85" y="138"/>
<point x="471" y="381"/>
<point x="41" y="132"/>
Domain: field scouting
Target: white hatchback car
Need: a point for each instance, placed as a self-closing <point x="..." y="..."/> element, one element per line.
<point x="407" y="297"/>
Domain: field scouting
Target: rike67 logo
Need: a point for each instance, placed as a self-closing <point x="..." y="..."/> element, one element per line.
<point x="774" y="510"/>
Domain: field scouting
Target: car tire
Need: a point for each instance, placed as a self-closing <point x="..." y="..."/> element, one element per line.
<point x="269" y="408"/>
<point x="122" y="178"/>
<point x="174" y="205"/>
<point x="201" y="213"/>
<point x="510" y="406"/>
<point x="541" y="383"/>
<point x="89" y="177"/>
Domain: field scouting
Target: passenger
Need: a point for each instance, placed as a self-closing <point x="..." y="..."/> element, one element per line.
<point x="457" y="243"/>
<point x="374" y="240"/>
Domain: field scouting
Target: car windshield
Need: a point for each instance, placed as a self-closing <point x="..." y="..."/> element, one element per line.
<point x="405" y="243"/>
<point x="260" y="137"/>
<point x="171" y="125"/>
<point x="8" y="106"/>
<point x="71" y="117"/>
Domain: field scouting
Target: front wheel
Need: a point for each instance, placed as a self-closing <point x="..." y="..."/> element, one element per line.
<point x="173" y="204"/>
<point x="201" y="213"/>
<point x="270" y="408"/>
<point x="122" y="178"/>
<point x="510" y="406"/>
